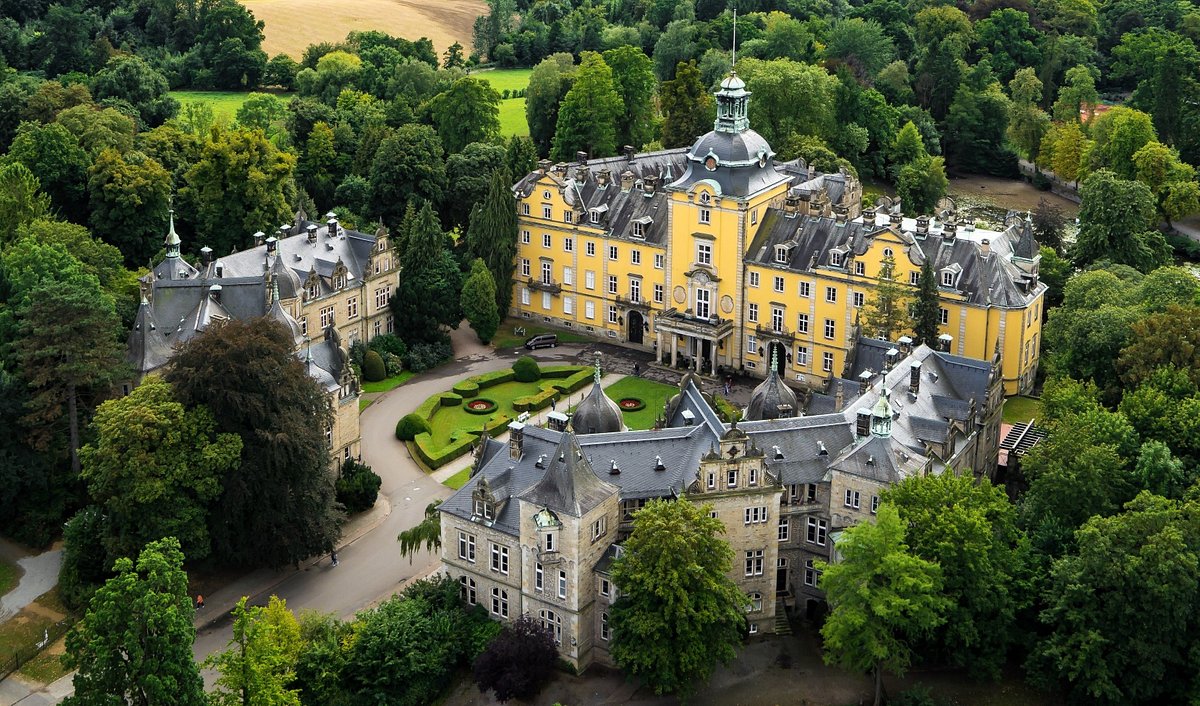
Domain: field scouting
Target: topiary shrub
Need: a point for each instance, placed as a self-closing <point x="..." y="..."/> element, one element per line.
<point x="466" y="388"/>
<point x="358" y="486"/>
<point x="373" y="367"/>
<point x="410" y="425"/>
<point x="526" y="370"/>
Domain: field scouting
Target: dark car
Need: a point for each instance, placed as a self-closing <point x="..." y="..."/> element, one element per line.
<point x="542" y="340"/>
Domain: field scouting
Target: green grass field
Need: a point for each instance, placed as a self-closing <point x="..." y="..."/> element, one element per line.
<point x="459" y="479"/>
<point x="654" y="394"/>
<point x="224" y="104"/>
<point x="512" y="111"/>
<point x="450" y="423"/>
<point x="1020" y="409"/>
<point x="512" y="117"/>
<point x="8" y="576"/>
<point x="388" y="383"/>
<point x="505" y="79"/>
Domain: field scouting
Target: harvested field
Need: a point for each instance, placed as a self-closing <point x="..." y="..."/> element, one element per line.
<point x="292" y="25"/>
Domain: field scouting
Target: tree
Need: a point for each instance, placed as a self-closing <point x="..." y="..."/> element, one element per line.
<point x="1172" y="181"/>
<point x="54" y="156"/>
<point x="479" y="301"/>
<point x="790" y="98"/>
<point x="687" y="108"/>
<point x="921" y="184"/>
<point x="428" y="295"/>
<point x="21" y="199"/>
<point x="492" y="236"/>
<point x="590" y="112"/>
<point x="1070" y="148"/>
<point x="1120" y="608"/>
<point x="1007" y="40"/>
<point x="860" y="44"/>
<point x="969" y="529"/>
<point x="1048" y="224"/>
<point x="229" y="206"/>
<point x="1077" y="95"/>
<point x="281" y="71"/>
<point x="977" y="123"/>
<point x="427" y="532"/>
<point x="261" y="111"/>
<point x="318" y="164"/>
<point x="129" y="78"/>
<point x="887" y="311"/>
<point x="633" y="78"/>
<point x="1027" y="123"/>
<point x="678" y="613"/>
<point x="549" y="83"/>
<point x="335" y="72"/>
<point x="154" y="467"/>
<point x="277" y="507"/>
<point x="1116" y="136"/>
<point x="469" y="111"/>
<point x="469" y="175"/>
<point x="97" y="130"/>
<point x="1163" y="339"/>
<point x="908" y="147"/>
<point x="1159" y="472"/>
<point x="68" y="353"/>
<point x="518" y="661"/>
<point x="927" y="308"/>
<point x="520" y="155"/>
<point x="675" y="45"/>
<point x="134" y="645"/>
<point x="259" y="666"/>
<point x="129" y="197"/>
<point x="943" y="35"/>
<point x="410" y="165"/>
<point x="1117" y="220"/>
<point x="880" y="593"/>
<point x="454" y="57"/>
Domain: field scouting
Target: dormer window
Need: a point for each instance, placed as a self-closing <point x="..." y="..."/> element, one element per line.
<point x="339" y="282"/>
<point x="594" y="216"/>
<point x="705" y="198"/>
<point x="947" y="279"/>
<point x="781" y="254"/>
<point x="837" y="259"/>
<point x="485" y="509"/>
<point x="641" y="226"/>
<point x="313" y="291"/>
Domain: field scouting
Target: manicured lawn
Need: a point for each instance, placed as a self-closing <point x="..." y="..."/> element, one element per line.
<point x="8" y="576"/>
<point x="506" y="338"/>
<point x="1020" y="409"/>
<point x="224" y="104"/>
<point x="450" y="423"/>
<point x="364" y="403"/>
<point x="502" y="79"/>
<point x="654" y="394"/>
<point x="388" y="383"/>
<point x="512" y="117"/>
<point x="459" y="479"/>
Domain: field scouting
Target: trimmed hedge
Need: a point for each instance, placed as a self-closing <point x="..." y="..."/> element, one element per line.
<point x="641" y="404"/>
<point x="373" y="367"/>
<point x="575" y="382"/>
<point x="534" y="403"/>
<point x="436" y="457"/>
<point x="467" y="388"/>
<point x="526" y="370"/>
<point x="449" y="399"/>
<point x="485" y="380"/>
<point x="486" y="410"/>
<point x="428" y="407"/>
<point x="410" y="425"/>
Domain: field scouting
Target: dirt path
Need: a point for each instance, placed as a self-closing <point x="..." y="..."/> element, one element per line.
<point x="292" y="25"/>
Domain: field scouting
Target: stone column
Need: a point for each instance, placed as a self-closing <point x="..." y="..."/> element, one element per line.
<point x="714" y="357"/>
<point x="674" y="349"/>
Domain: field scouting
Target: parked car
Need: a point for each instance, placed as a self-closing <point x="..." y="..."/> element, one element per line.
<point x="542" y="340"/>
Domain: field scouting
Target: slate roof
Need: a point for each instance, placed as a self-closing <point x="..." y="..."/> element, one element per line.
<point x="769" y="396"/>
<point x="793" y="446"/>
<point x="569" y="485"/>
<point x="147" y="348"/>
<point x="745" y="164"/>
<point x="597" y="414"/>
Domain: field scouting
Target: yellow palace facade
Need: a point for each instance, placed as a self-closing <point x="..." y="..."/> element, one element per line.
<point x="717" y="256"/>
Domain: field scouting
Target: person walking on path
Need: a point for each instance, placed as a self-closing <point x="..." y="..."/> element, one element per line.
<point x="333" y="557"/>
<point x="199" y="601"/>
<point x="637" y="370"/>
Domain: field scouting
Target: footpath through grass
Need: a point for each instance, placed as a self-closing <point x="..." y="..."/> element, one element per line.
<point x="224" y="104"/>
<point x="21" y="634"/>
<point x="653" y="394"/>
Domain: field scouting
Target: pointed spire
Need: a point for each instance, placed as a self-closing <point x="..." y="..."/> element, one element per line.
<point x="596" y="375"/>
<point x="774" y="360"/>
<point x="172" y="240"/>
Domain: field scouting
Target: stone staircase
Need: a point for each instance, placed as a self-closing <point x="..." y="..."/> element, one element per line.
<point x="782" y="626"/>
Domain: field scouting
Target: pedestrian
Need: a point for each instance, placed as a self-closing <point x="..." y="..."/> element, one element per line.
<point x="199" y="601"/>
<point x="637" y="370"/>
<point x="333" y="557"/>
<point x="552" y="406"/>
<point x="728" y="385"/>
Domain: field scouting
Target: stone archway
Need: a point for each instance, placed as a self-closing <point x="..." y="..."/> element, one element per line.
<point x="637" y="326"/>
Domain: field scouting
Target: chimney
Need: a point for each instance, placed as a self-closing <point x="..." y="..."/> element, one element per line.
<point x="864" y="381"/>
<point x="949" y="228"/>
<point x="285" y="231"/>
<point x="862" y="423"/>
<point x="839" y="213"/>
<point x="516" y="439"/>
<point x="626" y="180"/>
<point x="812" y="173"/>
<point x="839" y="397"/>
<point x="582" y="173"/>
<point x="895" y="218"/>
<point x="628" y="151"/>
<point x="603" y="177"/>
<point x="922" y="224"/>
<point x="560" y="168"/>
<point x="333" y="227"/>
<point x="944" y="342"/>
<point x="206" y="255"/>
<point x="312" y="233"/>
<point x="581" y="156"/>
<point x="215" y="292"/>
<point x="892" y="357"/>
<point x="258" y="238"/>
<point x="914" y="379"/>
<point x="649" y="182"/>
<point x="658" y="464"/>
<point x="271" y="244"/>
<point x="543" y="166"/>
<point x="869" y="216"/>
<point x="791" y="204"/>
<point x="613" y="470"/>
<point x="985" y="247"/>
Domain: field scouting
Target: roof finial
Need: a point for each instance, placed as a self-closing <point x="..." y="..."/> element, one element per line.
<point x="596" y="375"/>
<point x="172" y="240"/>
<point x="774" y="359"/>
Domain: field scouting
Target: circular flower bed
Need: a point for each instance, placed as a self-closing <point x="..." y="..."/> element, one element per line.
<point x="480" y="405"/>
<point x="631" y="404"/>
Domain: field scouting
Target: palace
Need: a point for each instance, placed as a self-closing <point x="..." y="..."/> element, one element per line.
<point x="535" y="529"/>
<point x="717" y="257"/>
<point x="321" y="281"/>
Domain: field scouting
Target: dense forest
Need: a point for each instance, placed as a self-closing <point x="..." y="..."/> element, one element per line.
<point x="1088" y="580"/>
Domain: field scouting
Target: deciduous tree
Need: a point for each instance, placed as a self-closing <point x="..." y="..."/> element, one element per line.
<point x="409" y="166"/>
<point x="678" y="614"/>
<point x="518" y="661"/>
<point x="1117" y="220"/>
<point x="549" y="83"/>
<point x="633" y="77"/>
<point x="468" y="111"/>
<point x="129" y="195"/>
<point x="590" y="112"/>
<point x="259" y="665"/>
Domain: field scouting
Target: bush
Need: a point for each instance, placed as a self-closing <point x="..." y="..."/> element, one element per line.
<point x="518" y="662"/>
<point x="373" y="367"/>
<point x="85" y="563"/>
<point x="358" y="487"/>
<point x="410" y="425"/>
<point x="467" y="388"/>
<point x="526" y="370"/>
<point x="358" y="351"/>
<point x="449" y="399"/>
<point x="393" y="364"/>
<point x="916" y="696"/>
<point x="387" y="343"/>
<point x="424" y="356"/>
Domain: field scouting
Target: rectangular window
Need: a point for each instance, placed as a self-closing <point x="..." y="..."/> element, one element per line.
<point x="858" y="298"/>
<point x="589" y="310"/>
<point x="731" y="478"/>
<point x="811" y="492"/>
<point x="781" y="254"/>
<point x="943" y="316"/>
<point x="755" y="515"/>
<point x="612" y="252"/>
<point x="811" y="575"/>
<point x="836" y="258"/>
<point x="751" y="344"/>
<point x="852" y="499"/>
<point x="806" y="289"/>
<point x="547" y="304"/>
<point x="539" y="576"/>
<point x="947" y="279"/>
<point x="569" y="244"/>
<point x="830" y="329"/>
<point x="524" y="209"/>
<point x="599" y="528"/>
<point x="568" y="276"/>
<point x="831" y="294"/>
<point x="635" y="290"/>
<point x="612" y="314"/>
<point x="568" y="305"/>
<point x="753" y="313"/>
<point x="562" y="584"/>
<point x="589" y="279"/>
<point x="545" y="240"/>
<point x="658" y="294"/>
<point x="590" y="249"/>
<point x="874" y="504"/>
<point x="594" y="216"/>
<point x="802" y="356"/>
<point x="778" y="283"/>
<point x="802" y="323"/>
<point x="604" y="631"/>
<point x="702" y="303"/>
<point x="525" y="267"/>
<point x="466" y="547"/>
<point x="639" y="229"/>
<point x="860" y="269"/>
<point x="547" y="272"/>
<point x="525" y="296"/>
<point x="914" y="278"/>
<point x="816" y="531"/>
<point x="776" y="318"/>
<point x="754" y="562"/>
<point x="784" y="528"/>
<point x="612" y="284"/>
<point x="568" y="216"/>
<point x="547" y="212"/>
<point x="704" y="253"/>
<point x="352" y="308"/>
<point x="500" y="559"/>
<point x="525" y="237"/>
<point x="754" y="217"/>
<point x="500" y="602"/>
<point x="659" y="261"/>
<point x="827" y="362"/>
<point x="635" y="256"/>
<point x="712" y="480"/>
<point x="605" y="587"/>
<point x="753" y="279"/>
<point x="326" y="317"/>
<point x="706" y="215"/>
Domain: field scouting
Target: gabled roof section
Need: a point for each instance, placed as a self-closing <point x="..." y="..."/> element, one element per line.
<point x="569" y="485"/>
<point x="146" y="349"/>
